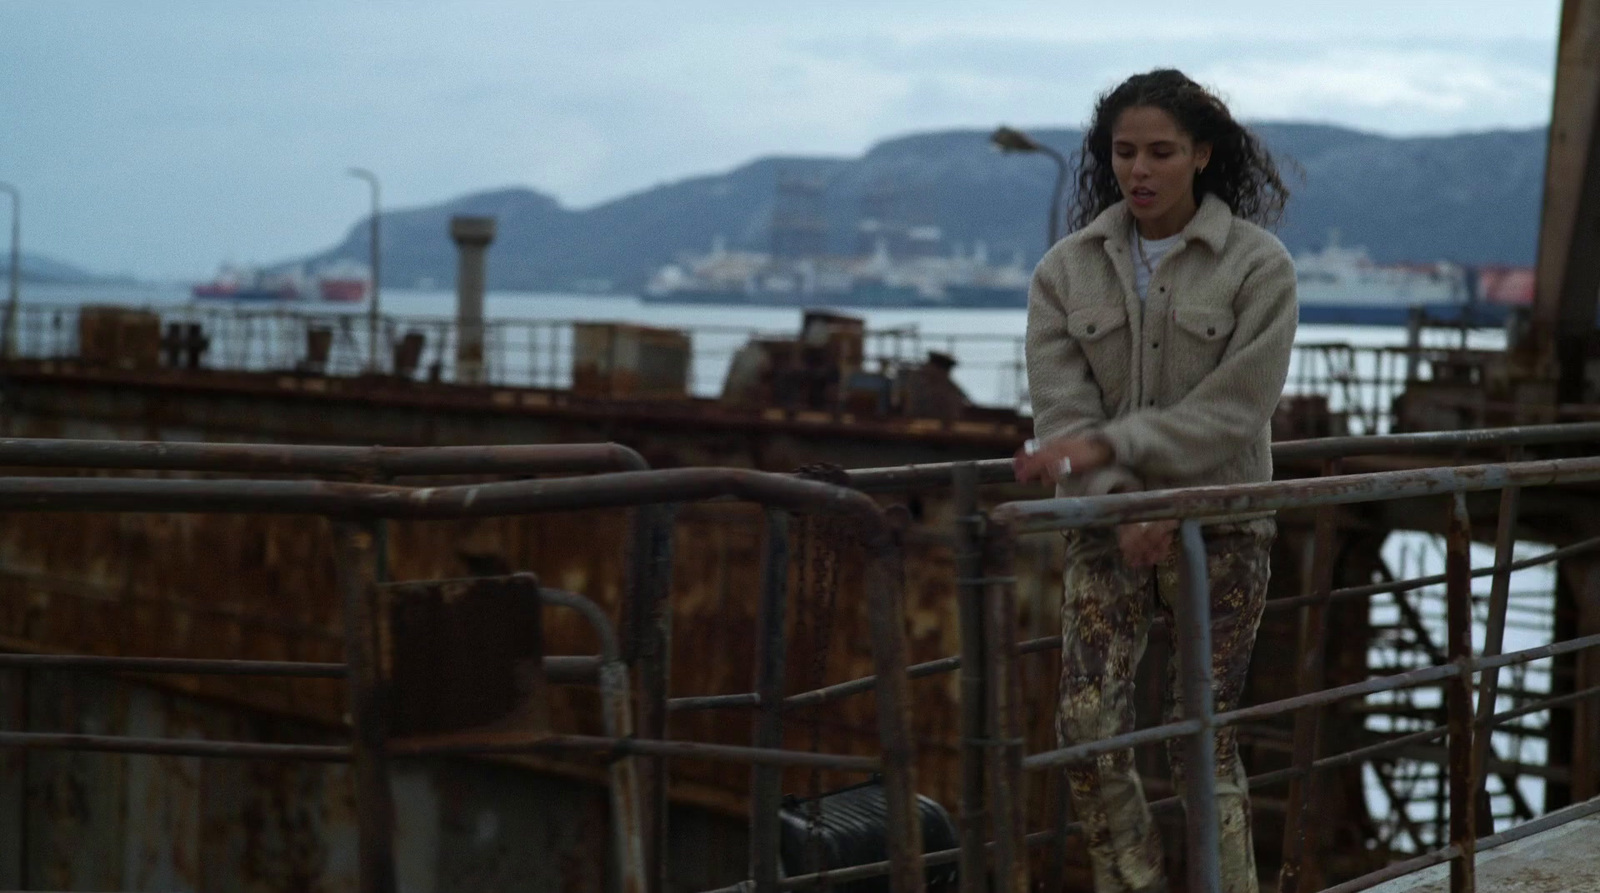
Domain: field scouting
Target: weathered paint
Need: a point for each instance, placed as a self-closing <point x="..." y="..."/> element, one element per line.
<point x="259" y="587"/>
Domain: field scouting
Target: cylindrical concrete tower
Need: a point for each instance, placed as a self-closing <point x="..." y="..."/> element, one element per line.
<point x="472" y="236"/>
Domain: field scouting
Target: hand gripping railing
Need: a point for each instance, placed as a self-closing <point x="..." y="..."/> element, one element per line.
<point x="988" y="654"/>
<point x="975" y="586"/>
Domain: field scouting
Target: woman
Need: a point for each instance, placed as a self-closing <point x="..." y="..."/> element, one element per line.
<point x="1158" y="342"/>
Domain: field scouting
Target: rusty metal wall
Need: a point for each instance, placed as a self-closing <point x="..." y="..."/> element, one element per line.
<point x="255" y="587"/>
<point x="260" y="587"/>
<point x="125" y="822"/>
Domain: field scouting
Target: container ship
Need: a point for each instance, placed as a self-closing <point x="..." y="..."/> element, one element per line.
<point x="338" y="283"/>
<point x="949" y="280"/>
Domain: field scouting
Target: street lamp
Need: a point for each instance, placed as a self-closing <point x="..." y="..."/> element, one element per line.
<point x="8" y="337"/>
<point x="372" y="306"/>
<point x="1007" y="139"/>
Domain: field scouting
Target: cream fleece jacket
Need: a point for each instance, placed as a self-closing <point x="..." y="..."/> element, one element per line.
<point x="1184" y="384"/>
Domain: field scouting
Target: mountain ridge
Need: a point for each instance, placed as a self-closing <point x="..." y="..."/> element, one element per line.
<point x="1470" y="198"/>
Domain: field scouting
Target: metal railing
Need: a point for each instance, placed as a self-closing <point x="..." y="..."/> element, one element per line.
<point x="531" y="353"/>
<point x="993" y="762"/>
<point x="1359" y="383"/>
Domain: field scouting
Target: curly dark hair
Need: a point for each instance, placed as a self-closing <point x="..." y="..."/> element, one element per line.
<point x="1241" y="172"/>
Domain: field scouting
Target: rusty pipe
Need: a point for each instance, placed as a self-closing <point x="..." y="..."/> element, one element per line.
<point x="617" y="719"/>
<point x="1222" y="501"/>
<point x="360" y="462"/>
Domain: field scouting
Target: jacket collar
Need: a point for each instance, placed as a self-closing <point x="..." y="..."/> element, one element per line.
<point x="1210" y="223"/>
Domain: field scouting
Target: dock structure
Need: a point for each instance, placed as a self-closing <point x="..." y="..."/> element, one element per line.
<point x="581" y="625"/>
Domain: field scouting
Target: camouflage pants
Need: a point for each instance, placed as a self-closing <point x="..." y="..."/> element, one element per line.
<point x="1106" y="612"/>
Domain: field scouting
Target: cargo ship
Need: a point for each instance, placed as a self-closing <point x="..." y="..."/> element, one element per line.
<point x="339" y="283"/>
<point x="1339" y="285"/>
<point x="234" y="284"/>
<point x="343" y="282"/>
<point x="953" y="279"/>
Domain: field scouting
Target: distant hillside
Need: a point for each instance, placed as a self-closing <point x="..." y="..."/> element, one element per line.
<point x="37" y="268"/>
<point x="1471" y="198"/>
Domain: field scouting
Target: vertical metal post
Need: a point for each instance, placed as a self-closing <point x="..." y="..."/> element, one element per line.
<point x="1505" y="540"/>
<point x="1003" y="700"/>
<point x="369" y="769"/>
<point x="1458" y="692"/>
<point x="1193" y="638"/>
<point x="649" y="643"/>
<point x="970" y="595"/>
<point x="886" y="618"/>
<point x="8" y="338"/>
<point x="626" y="819"/>
<point x="1298" y="857"/>
<point x="766" y="785"/>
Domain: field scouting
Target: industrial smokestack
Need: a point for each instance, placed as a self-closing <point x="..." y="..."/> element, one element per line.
<point x="472" y="236"/>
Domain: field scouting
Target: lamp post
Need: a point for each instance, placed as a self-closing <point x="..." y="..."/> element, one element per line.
<point x="8" y="337"/>
<point x="1007" y="139"/>
<point x="372" y="305"/>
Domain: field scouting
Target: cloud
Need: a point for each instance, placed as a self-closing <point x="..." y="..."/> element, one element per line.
<point x="1405" y="91"/>
<point x="161" y="137"/>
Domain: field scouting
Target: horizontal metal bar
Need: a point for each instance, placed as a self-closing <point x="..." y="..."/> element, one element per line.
<point x="1435" y="441"/>
<point x="916" y="671"/>
<point x="1080" y="752"/>
<point x="1546" y="704"/>
<point x="1554" y="649"/>
<point x="1578" y="548"/>
<point x="333" y="753"/>
<point x="1422" y="676"/>
<point x="561" y="668"/>
<point x="617" y="490"/>
<point x="842" y="690"/>
<point x="616" y="747"/>
<point x="365" y="461"/>
<point x="996" y="471"/>
<point x="1222" y="501"/>
<point x="1397" y="869"/>
<point x="898" y="478"/>
<point x="714" y="702"/>
<point x="197" y="666"/>
<point x="1349" y="756"/>
<point x="620" y="747"/>
<point x="1543" y="823"/>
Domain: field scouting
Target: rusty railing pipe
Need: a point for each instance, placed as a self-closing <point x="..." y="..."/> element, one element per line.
<point x="1458" y="693"/>
<point x="1222" y="501"/>
<point x="1193" y="640"/>
<point x="361" y="462"/>
<point x="973" y="813"/>
<point x="1298" y="856"/>
<point x="617" y="717"/>
<point x="772" y="654"/>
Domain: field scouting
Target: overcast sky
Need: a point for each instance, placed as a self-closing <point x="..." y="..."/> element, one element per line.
<point x="161" y="137"/>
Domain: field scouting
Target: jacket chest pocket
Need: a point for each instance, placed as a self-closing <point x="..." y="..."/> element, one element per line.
<point x="1102" y="335"/>
<point x="1202" y="335"/>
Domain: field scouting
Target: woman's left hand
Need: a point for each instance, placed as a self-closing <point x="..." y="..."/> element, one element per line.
<point x="1145" y="543"/>
<point x="1084" y="454"/>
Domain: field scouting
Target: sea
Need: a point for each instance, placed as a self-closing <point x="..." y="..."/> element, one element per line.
<point x="987" y="345"/>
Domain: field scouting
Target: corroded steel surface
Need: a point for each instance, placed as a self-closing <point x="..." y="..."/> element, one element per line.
<point x="714" y="618"/>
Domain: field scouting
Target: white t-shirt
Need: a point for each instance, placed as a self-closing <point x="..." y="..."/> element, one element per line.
<point x="1147" y="251"/>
